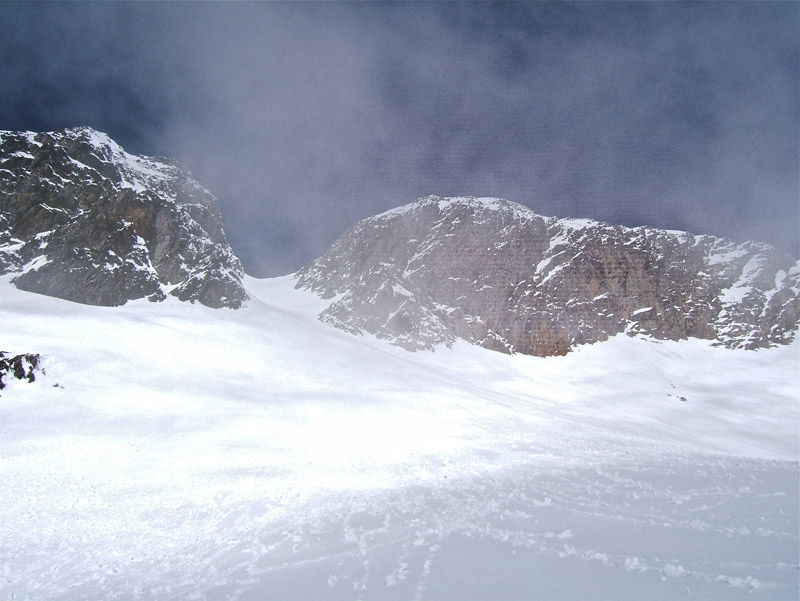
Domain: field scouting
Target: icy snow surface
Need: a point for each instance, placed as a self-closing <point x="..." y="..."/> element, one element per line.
<point x="173" y="451"/>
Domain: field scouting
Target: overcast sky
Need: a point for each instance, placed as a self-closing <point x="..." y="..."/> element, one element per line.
<point x="305" y="117"/>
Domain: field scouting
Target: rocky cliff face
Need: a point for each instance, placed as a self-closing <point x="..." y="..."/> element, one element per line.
<point x="498" y="275"/>
<point x="83" y="220"/>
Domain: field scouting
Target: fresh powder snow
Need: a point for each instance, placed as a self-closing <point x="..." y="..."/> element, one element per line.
<point x="172" y="451"/>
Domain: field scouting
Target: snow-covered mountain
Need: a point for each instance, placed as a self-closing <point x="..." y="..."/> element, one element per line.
<point x="496" y="274"/>
<point x="83" y="220"/>
<point x="170" y="451"/>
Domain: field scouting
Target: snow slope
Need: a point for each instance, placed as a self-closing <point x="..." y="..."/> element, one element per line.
<point x="172" y="451"/>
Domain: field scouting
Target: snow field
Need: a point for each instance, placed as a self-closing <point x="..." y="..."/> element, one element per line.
<point x="258" y="454"/>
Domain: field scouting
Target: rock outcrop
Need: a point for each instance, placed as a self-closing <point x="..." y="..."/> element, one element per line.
<point x="498" y="275"/>
<point x="21" y="367"/>
<point x="83" y="220"/>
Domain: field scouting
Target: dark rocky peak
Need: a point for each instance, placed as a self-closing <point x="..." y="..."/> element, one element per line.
<point x="496" y="274"/>
<point x="82" y="219"/>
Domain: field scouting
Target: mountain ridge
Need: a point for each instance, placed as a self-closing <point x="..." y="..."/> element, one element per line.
<point x="83" y="220"/>
<point x="496" y="274"/>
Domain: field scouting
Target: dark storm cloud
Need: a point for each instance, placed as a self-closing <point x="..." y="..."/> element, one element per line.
<point x="681" y="118"/>
<point x="69" y="64"/>
<point x="303" y="118"/>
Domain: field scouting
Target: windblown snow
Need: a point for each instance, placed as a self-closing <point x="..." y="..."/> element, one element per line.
<point x="172" y="451"/>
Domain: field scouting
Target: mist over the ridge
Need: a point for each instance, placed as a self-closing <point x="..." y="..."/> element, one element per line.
<point x="303" y="118"/>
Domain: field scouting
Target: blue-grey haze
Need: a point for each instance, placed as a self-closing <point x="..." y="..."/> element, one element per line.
<point x="305" y="117"/>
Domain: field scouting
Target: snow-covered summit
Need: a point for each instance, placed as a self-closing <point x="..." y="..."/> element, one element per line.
<point x="138" y="173"/>
<point x="495" y="273"/>
<point x="447" y="204"/>
<point x="82" y="219"/>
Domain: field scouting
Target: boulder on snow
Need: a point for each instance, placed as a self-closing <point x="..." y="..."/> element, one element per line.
<point x="21" y="367"/>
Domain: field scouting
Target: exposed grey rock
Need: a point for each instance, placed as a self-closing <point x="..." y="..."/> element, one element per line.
<point x="498" y="275"/>
<point x="83" y="220"/>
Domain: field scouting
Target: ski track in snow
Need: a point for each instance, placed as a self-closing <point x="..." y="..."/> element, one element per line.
<point x="191" y="453"/>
